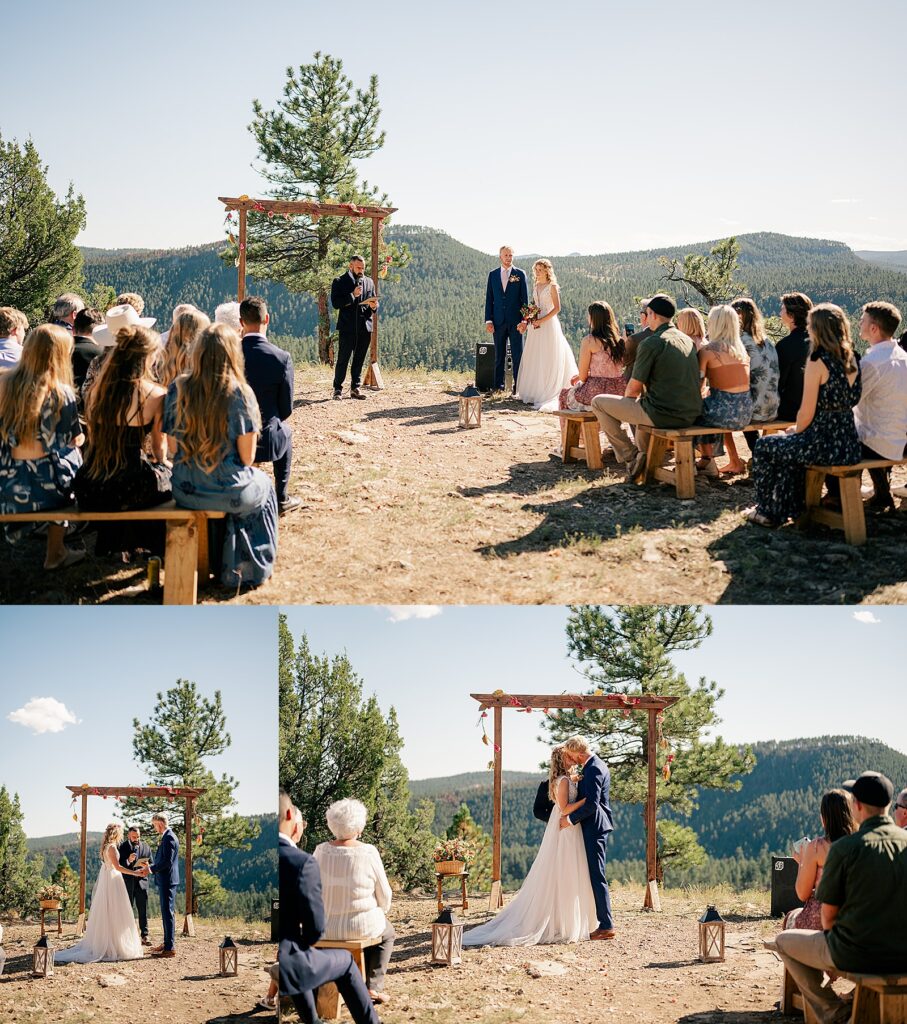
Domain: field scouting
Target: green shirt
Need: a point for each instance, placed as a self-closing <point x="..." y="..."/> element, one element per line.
<point x="865" y="875"/>
<point x="667" y="363"/>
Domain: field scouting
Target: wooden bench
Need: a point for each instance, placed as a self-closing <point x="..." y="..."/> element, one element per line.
<point x="683" y="473"/>
<point x="852" y="517"/>
<point x="186" y="552"/>
<point x="328" y="998"/>
<point x="576" y="426"/>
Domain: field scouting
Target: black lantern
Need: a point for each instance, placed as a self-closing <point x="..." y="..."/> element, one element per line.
<point x="470" y="407"/>
<point x="711" y="936"/>
<point x="447" y="939"/>
<point x="229" y="958"/>
<point x="43" y="958"/>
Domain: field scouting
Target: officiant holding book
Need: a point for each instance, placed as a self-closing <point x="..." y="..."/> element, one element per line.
<point x="134" y="853"/>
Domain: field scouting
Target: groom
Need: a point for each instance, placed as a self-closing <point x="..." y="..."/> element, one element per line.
<point x="597" y="824"/>
<point x="165" y="868"/>
<point x="505" y="295"/>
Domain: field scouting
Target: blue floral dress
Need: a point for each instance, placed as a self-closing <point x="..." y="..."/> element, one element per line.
<point x="780" y="460"/>
<point x="764" y="377"/>
<point x="250" y="544"/>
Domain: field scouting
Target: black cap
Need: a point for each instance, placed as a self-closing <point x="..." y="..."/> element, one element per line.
<point x="662" y="305"/>
<point x="874" y="789"/>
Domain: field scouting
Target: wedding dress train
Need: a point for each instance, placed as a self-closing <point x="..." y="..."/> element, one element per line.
<point x="548" y="363"/>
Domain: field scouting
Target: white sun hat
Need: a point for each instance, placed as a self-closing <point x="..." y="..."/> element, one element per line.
<point x="115" y="319"/>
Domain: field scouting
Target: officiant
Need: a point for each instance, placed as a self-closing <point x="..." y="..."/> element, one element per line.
<point x="132" y="850"/>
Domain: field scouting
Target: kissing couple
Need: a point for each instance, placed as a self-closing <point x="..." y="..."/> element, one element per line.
<point x="565" y="896"/>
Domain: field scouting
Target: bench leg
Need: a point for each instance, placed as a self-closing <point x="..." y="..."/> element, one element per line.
<point x="571" y="439"/>
<point x="181" y="562"/>
<point x="892" y="1008"/>
<point x="654" y="456"/>
<point x="592" y="443"/>
<point x="814" y="481"/>
<point x="866" y="1009"/>
<point x="201" y="522"/>
<point x="684" y="468"/>
<point x="852" y="509"/>
<point x="327" y="1002"/>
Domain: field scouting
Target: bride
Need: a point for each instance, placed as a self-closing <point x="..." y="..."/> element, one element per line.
<point x="555" y="902"/>
<point x="548" y="364"/>
<point x="111" y="933"/>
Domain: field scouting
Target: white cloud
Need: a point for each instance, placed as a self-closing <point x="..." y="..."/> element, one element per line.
<point x="866" y="617"/>
<point x="402" y="612"/>
<point x="43" y="714"/>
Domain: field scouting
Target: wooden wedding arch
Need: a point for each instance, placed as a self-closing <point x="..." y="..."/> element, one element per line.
<point x="185" y="793"/>
<point x="651" y="704"/>
<point x="289" y="208"/>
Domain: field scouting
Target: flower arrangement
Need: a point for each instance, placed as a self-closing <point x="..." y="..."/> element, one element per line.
<point x="51" y="893"/>
<point x="458" y="849"/>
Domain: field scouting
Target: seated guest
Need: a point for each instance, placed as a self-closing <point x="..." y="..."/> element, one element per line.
<point x="131" y="299"/>
<point x="40" y="437"/>
<point x="863" y="893"/>
<point x="357" y="893"/>
<point x="900" y="809"/>
<point x="228" y="313"/>
<point x="601" y="361"/>
<point x="211" y="420"/>
<point x="178" y="310"/>
<point x="173" y="358"/>
<point x="13" y="328"/>
<point x="269" y="371"/>
<point x="303" y="968"/>
<point x="663" y="391"/>
<point x="105" y="336"/>
<point x="725" y="370"/>
<point x="792" y="351"/>
<point x="124" y="413"/>
<point x="84" y="348"/>
<point x="64" y="309"/>
<point x="825" y="433"/>
<point x="690" y="321"/>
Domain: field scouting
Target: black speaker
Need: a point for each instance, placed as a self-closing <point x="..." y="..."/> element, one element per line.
<point x="784" y="882"/>
<point x="485" y="365"/>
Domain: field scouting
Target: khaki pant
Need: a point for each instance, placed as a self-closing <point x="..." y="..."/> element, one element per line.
<point x="805" y="955"/>
<point x="613" y="411"/>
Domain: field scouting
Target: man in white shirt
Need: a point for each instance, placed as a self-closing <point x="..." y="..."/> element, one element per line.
<point x="13" y="328"/>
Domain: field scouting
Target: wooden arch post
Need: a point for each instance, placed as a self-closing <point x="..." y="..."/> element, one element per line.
<point x="185" y="793"/>
<point x="651" y="704"/>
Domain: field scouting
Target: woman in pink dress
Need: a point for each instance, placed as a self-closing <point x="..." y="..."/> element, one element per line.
<point x="601" y="361"/>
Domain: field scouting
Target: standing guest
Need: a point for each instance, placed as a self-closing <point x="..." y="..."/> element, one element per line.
<point x="131" y="851"/>
<point x="269" y="371"/>
<point x="211" y="420"/>
<point x="900" y="809"/>
<point x="131" y="299"/>
<point x="634" y="339"/>
<point x="601" y="361"/>
<point x="228" y="313"/>
<point x="173" y="358"/>
<point x="690" y="321"/>
<point x="65" y="307"/>
<point x="84" y="348"/>
<point x="825" y="433"/>
<point x="13" y="328"/>
<point x="506" y="293"/>
<point x="792" y="351"/>
<point x="40" y="437"/>
<point x="178" y="310"/>
<point x="353" y="296"/>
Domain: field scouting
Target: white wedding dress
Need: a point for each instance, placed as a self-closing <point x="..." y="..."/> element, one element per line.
<point x="111" y="933"/>
<point x="555" y="902"/>
<point x="548" y="362"/>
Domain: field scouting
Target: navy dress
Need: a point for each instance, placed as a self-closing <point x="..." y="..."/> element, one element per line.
<point x="245" y="493"/>
<point x="780" y="461"/>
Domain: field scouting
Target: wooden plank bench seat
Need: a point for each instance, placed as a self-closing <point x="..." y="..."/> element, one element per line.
<point x="576" y="426"/>
<point x="186" y="551"/>
<point x="852" y="517"/>
<point x="328" y="998"/>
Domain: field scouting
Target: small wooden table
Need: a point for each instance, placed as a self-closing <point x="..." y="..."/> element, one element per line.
<point x="50" y="910"/>
<point x="463" y="876"/>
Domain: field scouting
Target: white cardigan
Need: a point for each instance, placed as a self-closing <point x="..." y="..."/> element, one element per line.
<point x="355" y="890"/>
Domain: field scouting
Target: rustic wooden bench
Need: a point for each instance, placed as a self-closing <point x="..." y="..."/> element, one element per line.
<point x="186" y="552"/>
<point x="852" y="517"/>
<point x="576" y="426"/>
<point x="683" y="473"/>
<point x="328" y="999"/>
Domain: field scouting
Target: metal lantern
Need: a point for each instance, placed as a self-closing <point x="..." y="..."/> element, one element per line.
<point x="470" y="407"/>
<point x="43" y="958"/>
<point x="229" y="958"/>
<point x="711" y="936"/>
<point x="447" y="939"/>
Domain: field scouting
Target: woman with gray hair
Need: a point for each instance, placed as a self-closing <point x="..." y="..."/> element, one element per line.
<point x="356" y="892"/>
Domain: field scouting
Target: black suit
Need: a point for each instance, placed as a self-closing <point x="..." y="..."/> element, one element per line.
<point x="543" y="805"/>
<point x="84" y="351"/>
<point x="302" y="967"/>
<point x="792" y="352"/>
<point x="136" y="887"/>
<point x="354" y="325"/>
<point x="269" y="373"/>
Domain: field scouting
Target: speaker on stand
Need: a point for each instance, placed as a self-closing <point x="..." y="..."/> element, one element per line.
<point x="485" y="365"/>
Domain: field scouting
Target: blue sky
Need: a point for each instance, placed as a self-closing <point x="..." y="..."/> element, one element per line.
<point x="554" y="127"/>
<point x="788" y="672"/>
<point x="104" y="666"/>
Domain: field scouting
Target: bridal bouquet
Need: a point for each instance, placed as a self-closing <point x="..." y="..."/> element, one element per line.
<point x="530" y="312"/>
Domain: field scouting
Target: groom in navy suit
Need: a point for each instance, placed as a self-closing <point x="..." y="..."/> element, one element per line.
<point x="505" y="296"/>
<point x="166" y="870"/>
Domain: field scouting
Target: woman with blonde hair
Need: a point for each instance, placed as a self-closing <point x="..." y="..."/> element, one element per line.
<point x="690" y="321"/>
<point x="111" y="933"/>
<point x="548" y="364"/>
<point x="174" y="358"/>
<point x="40" y="436"/>
<point x="212" y="421"/>
<point x="601" y="361"/>
<point x="825" y="433"/>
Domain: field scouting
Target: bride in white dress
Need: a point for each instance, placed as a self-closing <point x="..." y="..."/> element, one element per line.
<point x="111" y="933"/>
<point x="548" y="363"/>
<point x="555" y="902"/>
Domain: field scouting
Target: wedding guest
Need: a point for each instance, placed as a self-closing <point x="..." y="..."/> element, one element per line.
<point x="63" y="312"/>
<point x="116" y="319"/>
<point x="40" y="437"/>
<point x="663" y="391"/>
<point x="690" y="321"/>
<point x="13" y="328"/>
<point x="601" y="361"/>
<point x="211" y="420"/>
<point x="900" y="809"/>
<point x="825" y="433"/>
<point x="357" y="893"/>
<point x="178" y="310"/>
<point x="228" y="313"/>
<point x="792" y="351"/>
<point x="84" y="348"/>
<point x="173" y="358"/>
<point x="131" y="299"/>
<point x="633" y="340"/>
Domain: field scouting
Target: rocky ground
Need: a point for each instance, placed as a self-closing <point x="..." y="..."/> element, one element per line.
<point x="402" y="507"/>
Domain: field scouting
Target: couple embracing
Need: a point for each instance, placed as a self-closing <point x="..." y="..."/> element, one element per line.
<point x="565" y="896"/>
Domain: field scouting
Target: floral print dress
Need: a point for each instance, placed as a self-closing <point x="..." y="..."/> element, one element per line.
<point x="764" y="377"/>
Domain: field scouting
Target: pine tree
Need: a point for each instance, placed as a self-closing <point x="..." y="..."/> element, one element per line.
<point x="711" y="276"/>
<point x="19" y="877"/>
<point x="64" y="875"/>
<point x="464" y="827"/>
<point x="677" y="847"/>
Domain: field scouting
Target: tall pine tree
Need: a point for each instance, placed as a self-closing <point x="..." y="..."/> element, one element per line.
<point x="19" y="877"/>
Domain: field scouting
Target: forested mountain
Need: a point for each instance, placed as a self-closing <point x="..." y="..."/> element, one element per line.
<point x="433" y="315"/>
<point x="896" y="260"/>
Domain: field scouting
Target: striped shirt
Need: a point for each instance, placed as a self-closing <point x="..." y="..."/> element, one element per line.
<point x="355" y="889"/>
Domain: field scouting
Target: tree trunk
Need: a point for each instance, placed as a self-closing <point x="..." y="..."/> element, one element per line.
<point x="325" y="344"/>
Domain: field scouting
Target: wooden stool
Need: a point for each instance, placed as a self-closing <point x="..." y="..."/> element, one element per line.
<point x="328" y="998"/>
<point x="58" y="912"/>
<point x="463" y="876"/>
<point x="573" y="426"/>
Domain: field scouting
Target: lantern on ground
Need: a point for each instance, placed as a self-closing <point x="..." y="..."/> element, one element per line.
<point x="43" y="958"/>
<point x="229" y="958"/>
<point x="711" y="936"/>
<point x="470" y="407"/>
<point x="447" y="939"/>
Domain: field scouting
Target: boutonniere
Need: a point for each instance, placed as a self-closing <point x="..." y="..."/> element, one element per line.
<point x="513" y="278"/>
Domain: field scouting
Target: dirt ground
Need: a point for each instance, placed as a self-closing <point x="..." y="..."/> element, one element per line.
<point x="402" y="507"/>
<point x="184" y="990"/>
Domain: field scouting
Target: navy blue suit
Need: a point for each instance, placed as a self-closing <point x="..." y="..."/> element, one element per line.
<point x="269" y="373"/>
<point x="302" y="967"/>
<point x="166" y="870"/>
<point x="597" y="824"/>
<point x="503" y="309"/>
<point x="354" y="326"/>
<point x="543" y="805"/>
<point x="136" y="887"/>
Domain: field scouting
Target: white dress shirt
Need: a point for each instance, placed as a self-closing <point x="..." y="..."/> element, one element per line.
<point x="10" y="352"/>
<point x="881" y="413"/>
